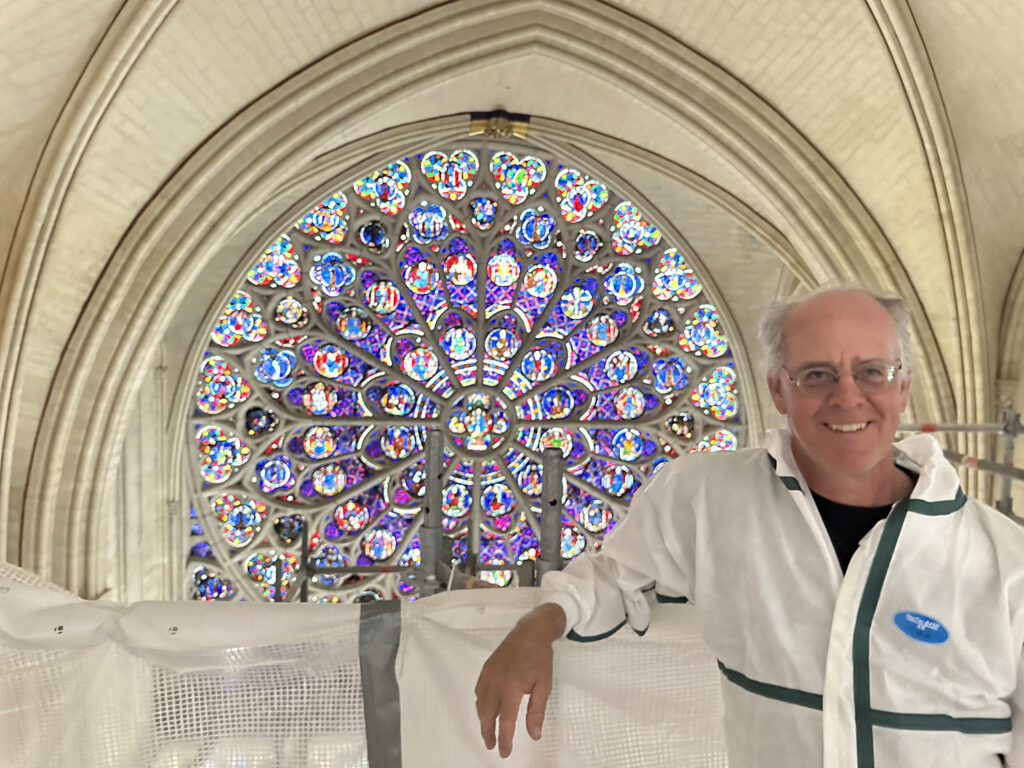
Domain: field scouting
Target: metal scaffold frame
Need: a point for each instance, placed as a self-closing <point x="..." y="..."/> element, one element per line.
<point x="1009" y="426"/>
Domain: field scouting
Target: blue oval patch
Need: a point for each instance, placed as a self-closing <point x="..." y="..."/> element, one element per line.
<point x="921" y="627"/>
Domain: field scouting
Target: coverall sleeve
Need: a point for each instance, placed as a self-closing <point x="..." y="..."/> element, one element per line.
<point x="1015" y="759"/>
<point x="654" y="544"/>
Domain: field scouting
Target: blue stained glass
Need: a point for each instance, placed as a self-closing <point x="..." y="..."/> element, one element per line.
<point x="429" y="224"/>
<point x="458" y="343"/>
<point x="374" y="236"/>
<point x="573" y="543"/>
<point x="379" y="544"/>
<point x="288" y="528"/>
<point x="502" y="343"/>
<point x="259" y="421"/>
<point x="353" y="323"/>
<point x="332" y="274"/>
<point x="538" y="365"/>
<point x="624" y="284"/>
<point x="498" y="499"/>
<point x="422" y="277"/>
<point x="275" y="474"/>
<point x="587" y="245"/>
<point x="659" y="323"/>
<point x="398" y="399"/>
<point x="201" y="549"/>
<point x="456" y="500"/>
<point x="484" y="210"/>
<point x="628" y="444"/>
<point x="535" y="229"/>
<point x="558" y="403"/>
<point x="401" y="332"/>
<point x="525" y="545"/>
<point x="669" y="375"/>
<point x="275" y="366"/>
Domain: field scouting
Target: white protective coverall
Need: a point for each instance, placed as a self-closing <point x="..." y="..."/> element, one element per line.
<point x="913" y="658"/>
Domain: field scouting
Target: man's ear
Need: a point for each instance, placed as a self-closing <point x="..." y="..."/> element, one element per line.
<point x="775" y="387"/>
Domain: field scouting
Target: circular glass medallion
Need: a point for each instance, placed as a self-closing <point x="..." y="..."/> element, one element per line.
<point x="383" y="297"/>
<point x="573" y="543"/>
<point x="351" y="517"/>
<point x="374" y="237"/>
<point x="398" y="399"/>
<point x="629" y="403"/>
<point x="460" y="268"/>
<point x="456" y="500"/>
<point x="620" y="366"/>
<point x="498" y="500"/>
<point x="669" y="375"/>
<point x="617" y="480"/>
<point x="421" y="277"/>
<point x="624" y="284"/>
<point x="477" y="421"/>
<point x="420" y="364"/>
<point x="538" y="365"/>
<point x="596" y="516"/>
<point x="291" y="313"/>
<point x="602" y="330"/>
<point x="319" y="442"/>
<point x="557" y="403"/>
<point x="354" y="323"/>
<point x="577" y="302"/>
<point x="502" y="343"/>
<point x="329" y="361"/>
<point x="484" y="210"/>
<point x="587" y="245"/>
<point x="398" y="442"/>
<point x="557" y="437"/>
<point x="540" y="281"/>
<point x="319" y="399"/>
<point x="379" y="544"/>
<point x="459" y="343"/>
<point x="503" y="268"/>
<point x="628" y="444"/>
<point x="329" y="480"/>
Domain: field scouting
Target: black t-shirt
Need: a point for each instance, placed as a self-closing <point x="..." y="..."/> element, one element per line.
<point x="847" y="525"/>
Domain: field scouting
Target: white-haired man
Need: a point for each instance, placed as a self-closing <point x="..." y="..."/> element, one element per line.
<point x="864" y="611"/>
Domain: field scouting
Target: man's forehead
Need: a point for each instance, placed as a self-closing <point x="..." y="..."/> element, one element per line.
<point x="839" y="324"/>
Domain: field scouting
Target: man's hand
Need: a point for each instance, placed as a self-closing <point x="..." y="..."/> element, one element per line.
<point x="521" y="666"/>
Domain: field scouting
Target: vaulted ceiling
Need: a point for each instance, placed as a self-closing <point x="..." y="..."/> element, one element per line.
<point x="148" y="148"/>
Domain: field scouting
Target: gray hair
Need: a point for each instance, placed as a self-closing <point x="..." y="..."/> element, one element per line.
<point x="772" y="328"/>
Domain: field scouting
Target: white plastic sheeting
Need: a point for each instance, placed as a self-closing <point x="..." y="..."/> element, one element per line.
<point x="190" y="685"/>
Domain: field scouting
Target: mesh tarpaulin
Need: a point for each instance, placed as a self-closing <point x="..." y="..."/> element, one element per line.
<point x="193" y="685"/>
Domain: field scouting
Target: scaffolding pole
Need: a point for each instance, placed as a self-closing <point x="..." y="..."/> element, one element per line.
<point x="1009" y="427"/>
<point x="550" y="558"/>
<point x="430" y="528"/>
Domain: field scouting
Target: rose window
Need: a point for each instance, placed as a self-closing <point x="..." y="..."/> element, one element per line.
<point x="511" y="302"/>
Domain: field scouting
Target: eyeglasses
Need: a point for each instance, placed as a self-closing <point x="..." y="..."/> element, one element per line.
<point x="871" y="376"/>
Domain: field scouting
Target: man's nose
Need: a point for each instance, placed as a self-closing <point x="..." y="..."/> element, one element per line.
<point x="846" y="393"/>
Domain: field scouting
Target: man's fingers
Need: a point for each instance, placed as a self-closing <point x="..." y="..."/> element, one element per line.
<point x="487" y="713"/>
<point x="536" y="708"/>
<point x="507" y="724"/>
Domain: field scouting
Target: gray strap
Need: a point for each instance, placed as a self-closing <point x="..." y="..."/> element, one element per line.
<point x="380" y="626"/>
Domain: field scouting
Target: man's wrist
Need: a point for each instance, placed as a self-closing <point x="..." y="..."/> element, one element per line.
<point x="545" y="622"/>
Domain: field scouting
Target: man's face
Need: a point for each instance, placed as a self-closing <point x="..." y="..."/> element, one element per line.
<point x="847" y="431"/>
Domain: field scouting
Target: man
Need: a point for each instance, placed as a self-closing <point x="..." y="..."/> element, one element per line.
<point x="863" y="611"/>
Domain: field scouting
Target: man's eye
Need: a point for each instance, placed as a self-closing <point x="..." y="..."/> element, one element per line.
<point x="817" y="376"/>
<point x="873" y="374"/>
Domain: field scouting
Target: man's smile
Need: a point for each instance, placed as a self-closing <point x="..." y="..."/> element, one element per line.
<point x="856" y="427"/>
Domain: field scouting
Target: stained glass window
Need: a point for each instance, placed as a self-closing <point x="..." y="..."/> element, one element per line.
<point x="512" y="302"/>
